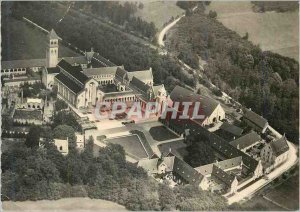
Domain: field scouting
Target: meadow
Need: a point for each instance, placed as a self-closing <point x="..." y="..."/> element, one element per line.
<point x="159" y="12"/>
<point x="277" y="32"/>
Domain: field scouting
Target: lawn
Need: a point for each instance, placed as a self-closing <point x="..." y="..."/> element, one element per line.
<point x="21" y="41"/>
<point x="161" y="133"/>
<point x="131" y="144"/>
<point x="287" y="193"/>
<point x="277" y="32"/>
<point x="159" y="12"/>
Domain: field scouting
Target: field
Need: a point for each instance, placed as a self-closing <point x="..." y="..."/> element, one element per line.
<point x="131" y="144"/>
<point x="159" y="12"/>
<point x="161" y="133"/>
<point x="67" y="204"/>
<point x="277" y="32"/>
<point x="21" y="41"/>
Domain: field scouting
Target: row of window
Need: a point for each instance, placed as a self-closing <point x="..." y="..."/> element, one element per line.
<point x="12" y="70"/>
<point x="53" y="42"/>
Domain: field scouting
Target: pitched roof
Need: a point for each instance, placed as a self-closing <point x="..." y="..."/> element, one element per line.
<point x="121" y="73"/>
<point x="75" y="60"/>
<point x="225" y="164"/>
<point x="100" y="71"/>
<point x="231" y="129"/>
<point x="180" y="94"/>
<point x="144" y="76"/>
<point x="139" y="85"/>
<point x="246" y="140"/>
<point x="23" y="63"/>
<point x="151" y="165"/>
<point x="157" y="88"/>
<point x="279" y="146"/>
<point x="255" y="118"/>
<point x="74" y="71"/>
<point x="52" y="35"/>
<point x="187" y="172"/>
<point x="69" y="83"/>
<point x="28" y="114"/>
<point x="222" y="175"/>
<point x="53" y="70"/>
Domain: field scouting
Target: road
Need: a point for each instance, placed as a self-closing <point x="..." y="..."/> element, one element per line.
<point x="253" y="188"/>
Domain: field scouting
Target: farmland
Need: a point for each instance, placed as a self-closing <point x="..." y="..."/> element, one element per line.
<point x="159" y="12"/>
<point x="21" y="41"/>
<point x="277" y="32"/>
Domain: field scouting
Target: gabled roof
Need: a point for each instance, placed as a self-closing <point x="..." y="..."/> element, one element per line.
<point x="144" y="76"/>
<point x="279" y="146"/>
<point x="139" y="85"/>
<point x="225" y="164"/>
<point x="222" y="175"/>
<point x="76" y="60"/>
<point x="100" y="71"/>
<point x="255" y="118"/>
<point x="53" y="70"/>
<point x="234" y="130"/>
<point x="187" y="172"/>
<point x="180" y="94"/>
<point x="121" y="73"/>
<point x="157" y="88"/>
<point x="23" y="63"/>
<point x="52" y="35"/>
<point x="69" y="83"/>
<point x="74" y="71"/>
<point x="28" y="114"/>
<point x="246" y="140"/>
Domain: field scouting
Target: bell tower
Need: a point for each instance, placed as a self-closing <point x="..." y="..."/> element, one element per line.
<point x="52" y="49"/>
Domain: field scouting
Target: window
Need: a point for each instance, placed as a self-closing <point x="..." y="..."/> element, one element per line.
<point x="60" y="148"/>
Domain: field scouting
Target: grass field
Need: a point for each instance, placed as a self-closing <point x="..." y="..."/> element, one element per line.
<point x="131" y="144"/>
<point x="22" y="41"/>
<point x="159" y="12"/>
<point x="66" y="204"/>
<point x="277" y="32"/>
<point x="161" y="133"/>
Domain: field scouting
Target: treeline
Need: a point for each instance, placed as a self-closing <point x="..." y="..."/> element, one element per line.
<point x="38" y="173"/>
<point x="109" y="43"/>
<point x="278" y="6"/>
<point x="121" y="14"/>
<point x="264" y="81"/>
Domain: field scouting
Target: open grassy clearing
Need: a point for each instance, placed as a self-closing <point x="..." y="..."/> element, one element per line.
<point x="131" y="144"/>
<point x="66" y="204"/>
<point x="159" y="12"/>
<point x="21" y="41"/>
<point x="161" y="133"/>
<point x="287" y="193"/>
<point x="277" y="32"/>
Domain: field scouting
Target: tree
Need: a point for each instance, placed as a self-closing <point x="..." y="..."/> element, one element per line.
<point x="60" y="105"/>
<point x="167" y="197"/>
<point x="33" y="137"/>
<point x="212" y="14"/>
<point x="64" y="132"/>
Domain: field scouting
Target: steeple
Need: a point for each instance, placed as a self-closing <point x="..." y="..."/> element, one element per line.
<point x="52" y="49"/>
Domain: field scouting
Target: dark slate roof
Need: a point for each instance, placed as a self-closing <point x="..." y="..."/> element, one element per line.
<point x="255" y="118"/>
<point x="280" y="146"/>
<point x="69" y="83"/>
<point x="141" y="75"/>
<point x="246" y="140"/>
<point x="225" y="164"/>
<point x="53" y="70"/>
<point x="121" y="73"/>
<point x="52" y="35"/>
<point x="222" y="175"/>
<point x="180" y="94"/>
<point x="23" y="63"/>
<point x="28" y="114"/>
<point x="74" y="71"/>
<point x="76" y="60"/>
<point x="139" y="85"/>
<point x="187" y="172"/>
<point x="234" y="130"/>
<point x="100" y="71"/>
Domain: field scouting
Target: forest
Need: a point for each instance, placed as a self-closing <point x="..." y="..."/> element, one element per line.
<point x="266" y="82"/>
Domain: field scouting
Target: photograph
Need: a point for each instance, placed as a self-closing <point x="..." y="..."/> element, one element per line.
<point x="149" y="105"/>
